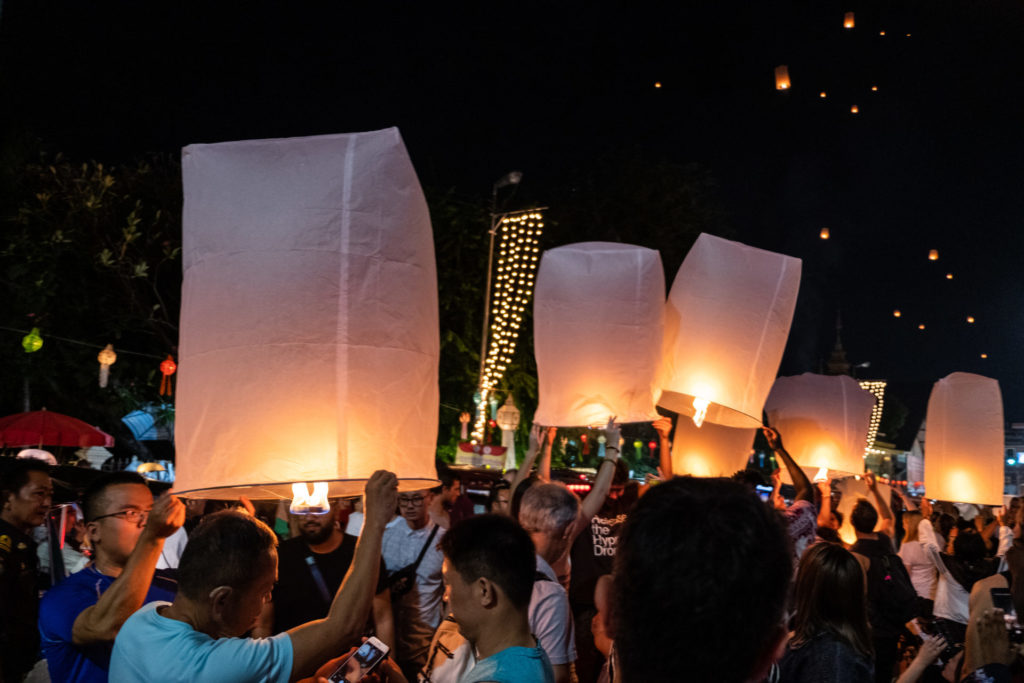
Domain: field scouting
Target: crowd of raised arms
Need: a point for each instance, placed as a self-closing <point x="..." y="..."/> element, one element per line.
<point x="679" y="579"/>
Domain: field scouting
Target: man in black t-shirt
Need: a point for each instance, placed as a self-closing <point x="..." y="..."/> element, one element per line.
<point x="310" y="569"/>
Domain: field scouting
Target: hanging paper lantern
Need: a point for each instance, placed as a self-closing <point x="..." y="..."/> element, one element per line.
<point x="309" y="321"/>
<point x="726" y="323"/>
<point x="32" y="342"/>
<point x="782" y="77"/>
<point x="106" y="357"/>
<point x="933" y="255"/>
<point x="597" y="321"/>
<point x="823" y="421"/>
<point x="167" y="368"/>
<point x="848" y="20"/>
<point x="964" y="440"/>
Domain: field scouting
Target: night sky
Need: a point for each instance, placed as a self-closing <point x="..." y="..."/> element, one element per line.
<point x="933" y="160"/>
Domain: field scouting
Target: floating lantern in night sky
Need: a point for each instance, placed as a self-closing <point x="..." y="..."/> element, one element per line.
<point x="964" y="440"/>
<point x="824" y="234"/>
<point x="896" y="313"/>
<point x="848" y="20"/>
<point x="598" y="327"/>
<point x="933" y="254"/>
<point x="970" y="318"/>
<point x="782" y="78"/>
<point x="854" y="109"/>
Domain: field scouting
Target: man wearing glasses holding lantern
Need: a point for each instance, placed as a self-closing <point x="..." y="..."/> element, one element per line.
<point x="413" y="561"/>
<point x="79" y="617"/>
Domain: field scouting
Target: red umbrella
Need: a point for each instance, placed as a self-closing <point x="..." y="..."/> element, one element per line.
<point x="43" y="428"/>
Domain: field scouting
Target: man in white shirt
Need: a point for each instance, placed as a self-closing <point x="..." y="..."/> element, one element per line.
<point x="227" y="573"/>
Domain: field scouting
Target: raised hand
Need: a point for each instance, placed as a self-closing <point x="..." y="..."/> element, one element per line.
<point x="381" y="498"/>
<point x="166" y="517"/>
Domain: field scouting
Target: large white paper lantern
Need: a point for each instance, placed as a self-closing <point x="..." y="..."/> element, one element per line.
<point x="597" y="320"/>
<point x="309" y="338"/>
<point x="964" y="440"/>
<point x="823" y="421"/>
<point x="726" y="324"/>
<point x="710" y="450"/>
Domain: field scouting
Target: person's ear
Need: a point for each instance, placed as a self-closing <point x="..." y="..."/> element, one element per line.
<point x="603" y="601"/>
<point x="486" y="592"/>
<point x="219" y="597"/>
<point x="92" y="531"/>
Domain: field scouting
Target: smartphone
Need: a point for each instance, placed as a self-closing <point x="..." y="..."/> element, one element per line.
<point x="1001" y="599"/>
<point x="361" y="662"/>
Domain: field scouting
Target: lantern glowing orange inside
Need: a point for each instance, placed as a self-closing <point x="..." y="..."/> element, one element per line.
<point x="823" y="421"/>
<point x="597" y="320"/>
<point x="848" y="20"/>
<point x="782" y="78"/>
<point x="964" y="440"/>
<point x="309" y="325"/>
<point x="896" y="313"/>
<point x="726" y="323"/>
<point x="854" y="109"/>
<point x="711" y="450"/>
<point x="933" y="255"/>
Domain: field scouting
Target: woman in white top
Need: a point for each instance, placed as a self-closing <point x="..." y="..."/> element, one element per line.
<point x="920" y="567"/>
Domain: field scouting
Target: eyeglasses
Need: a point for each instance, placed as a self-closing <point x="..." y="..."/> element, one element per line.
<point x="132" y="516"/>
<point x="414" y="501"/>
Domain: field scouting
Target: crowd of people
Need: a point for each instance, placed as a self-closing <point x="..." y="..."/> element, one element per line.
<point x="677" y="579"/>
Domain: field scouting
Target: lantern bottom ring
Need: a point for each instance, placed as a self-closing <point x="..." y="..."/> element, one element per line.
<point x="337" y="488"/>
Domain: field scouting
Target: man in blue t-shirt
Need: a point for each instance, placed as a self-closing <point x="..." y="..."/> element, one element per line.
<point x="80" y="616"/>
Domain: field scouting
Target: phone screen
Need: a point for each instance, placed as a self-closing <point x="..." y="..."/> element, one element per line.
<point x="361" y="662"/>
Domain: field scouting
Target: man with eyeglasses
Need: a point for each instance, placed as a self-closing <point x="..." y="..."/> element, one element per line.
<point x="80" y="617"/>
<point x="413" y="559"/>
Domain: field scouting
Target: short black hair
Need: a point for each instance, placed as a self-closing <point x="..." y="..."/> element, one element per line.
<point x="448" y="477"/>
<point x="226" y="549"/>
<point x="494" y="547"/>
<point x="492" y="495"/>
<point x="702" y="570"/>
<point x="92" y="499"/>
<point x="17" y="473"/>
<point x="864" y="516"/>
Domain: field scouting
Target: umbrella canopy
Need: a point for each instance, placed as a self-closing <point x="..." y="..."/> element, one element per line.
<point x="45" y="428"/>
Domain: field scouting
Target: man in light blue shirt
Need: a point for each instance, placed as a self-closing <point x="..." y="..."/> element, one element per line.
<point x="226" y="575"/>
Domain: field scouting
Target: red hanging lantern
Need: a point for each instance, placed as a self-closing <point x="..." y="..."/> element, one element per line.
<point x="167" y="368"/>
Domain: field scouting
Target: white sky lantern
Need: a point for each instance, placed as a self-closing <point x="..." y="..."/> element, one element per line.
<point x="823" y="421"/>
<point x="711" y="450"/>
<point x="726" y="323"/>
<point x="309" y="324"/>
<point x="597" y="320"/>
<point x="964" y="440"/>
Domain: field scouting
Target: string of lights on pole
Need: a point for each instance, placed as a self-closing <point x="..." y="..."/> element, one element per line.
<point x="516" y="266"/>
<point x="876" y="387"/>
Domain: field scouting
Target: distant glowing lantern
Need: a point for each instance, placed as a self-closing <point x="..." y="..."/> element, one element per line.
<point x="508" y="420"/>
<point x="657" y="84"/>
<point x="921" y="326"/>
<point x="309" y="320"/>
<point x="711" y="450"/>
<point x="896" y="313"/>
<point x="854" y="109"/>
<point x="167" y="368"/>
<point x="933" y="254"/>
<point x="782" y="78"/>
<point x="874" y="88"/>
<point x="823" y="421"/>
<point x="964" y="440"/>
<point x="822" y="94"/>
<point x="824" y="234"/>
<point x="848" y="20"/>
<point x="726" y="323"/>
<point x="984" y="355"/>
<point x="881" y="33"/>
<point x="970" y="318"/>
<point x="106" y="357"/>
<point x="32" y="342"/>
<point x="949" y="276"/>
<point x="597" y="331"/>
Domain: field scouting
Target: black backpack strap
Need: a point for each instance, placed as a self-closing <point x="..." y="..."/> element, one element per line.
<point x="423" y="550"/>
<point x="318" y="578"/>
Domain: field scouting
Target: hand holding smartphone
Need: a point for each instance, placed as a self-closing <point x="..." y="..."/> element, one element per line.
<point x="360" y="663"/>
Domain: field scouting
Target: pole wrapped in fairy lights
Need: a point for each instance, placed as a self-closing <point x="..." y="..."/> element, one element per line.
<point x="518" y="256"/>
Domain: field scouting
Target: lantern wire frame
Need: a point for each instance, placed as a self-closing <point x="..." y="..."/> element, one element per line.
<point x="336" y="488"/>
<point x="716" y="413"/>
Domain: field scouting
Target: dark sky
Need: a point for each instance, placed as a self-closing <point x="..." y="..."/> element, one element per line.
<point x="933" y="160"/>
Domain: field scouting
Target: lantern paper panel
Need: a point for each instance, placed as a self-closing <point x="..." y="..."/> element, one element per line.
<point x="823" y="421"/>
<point x="597" y="318"/>
<point x="852" y="489"/>
<point x="711" y="450"/>
<point x="964" y="440"/>
<point x="726" y="323"/>
<point x="309" y="324"/>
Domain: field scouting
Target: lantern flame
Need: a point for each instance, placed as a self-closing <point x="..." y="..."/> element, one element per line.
<point x="822" y="474"/>
<point x="306" y="503"/>
<point x="701" y="406"/>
